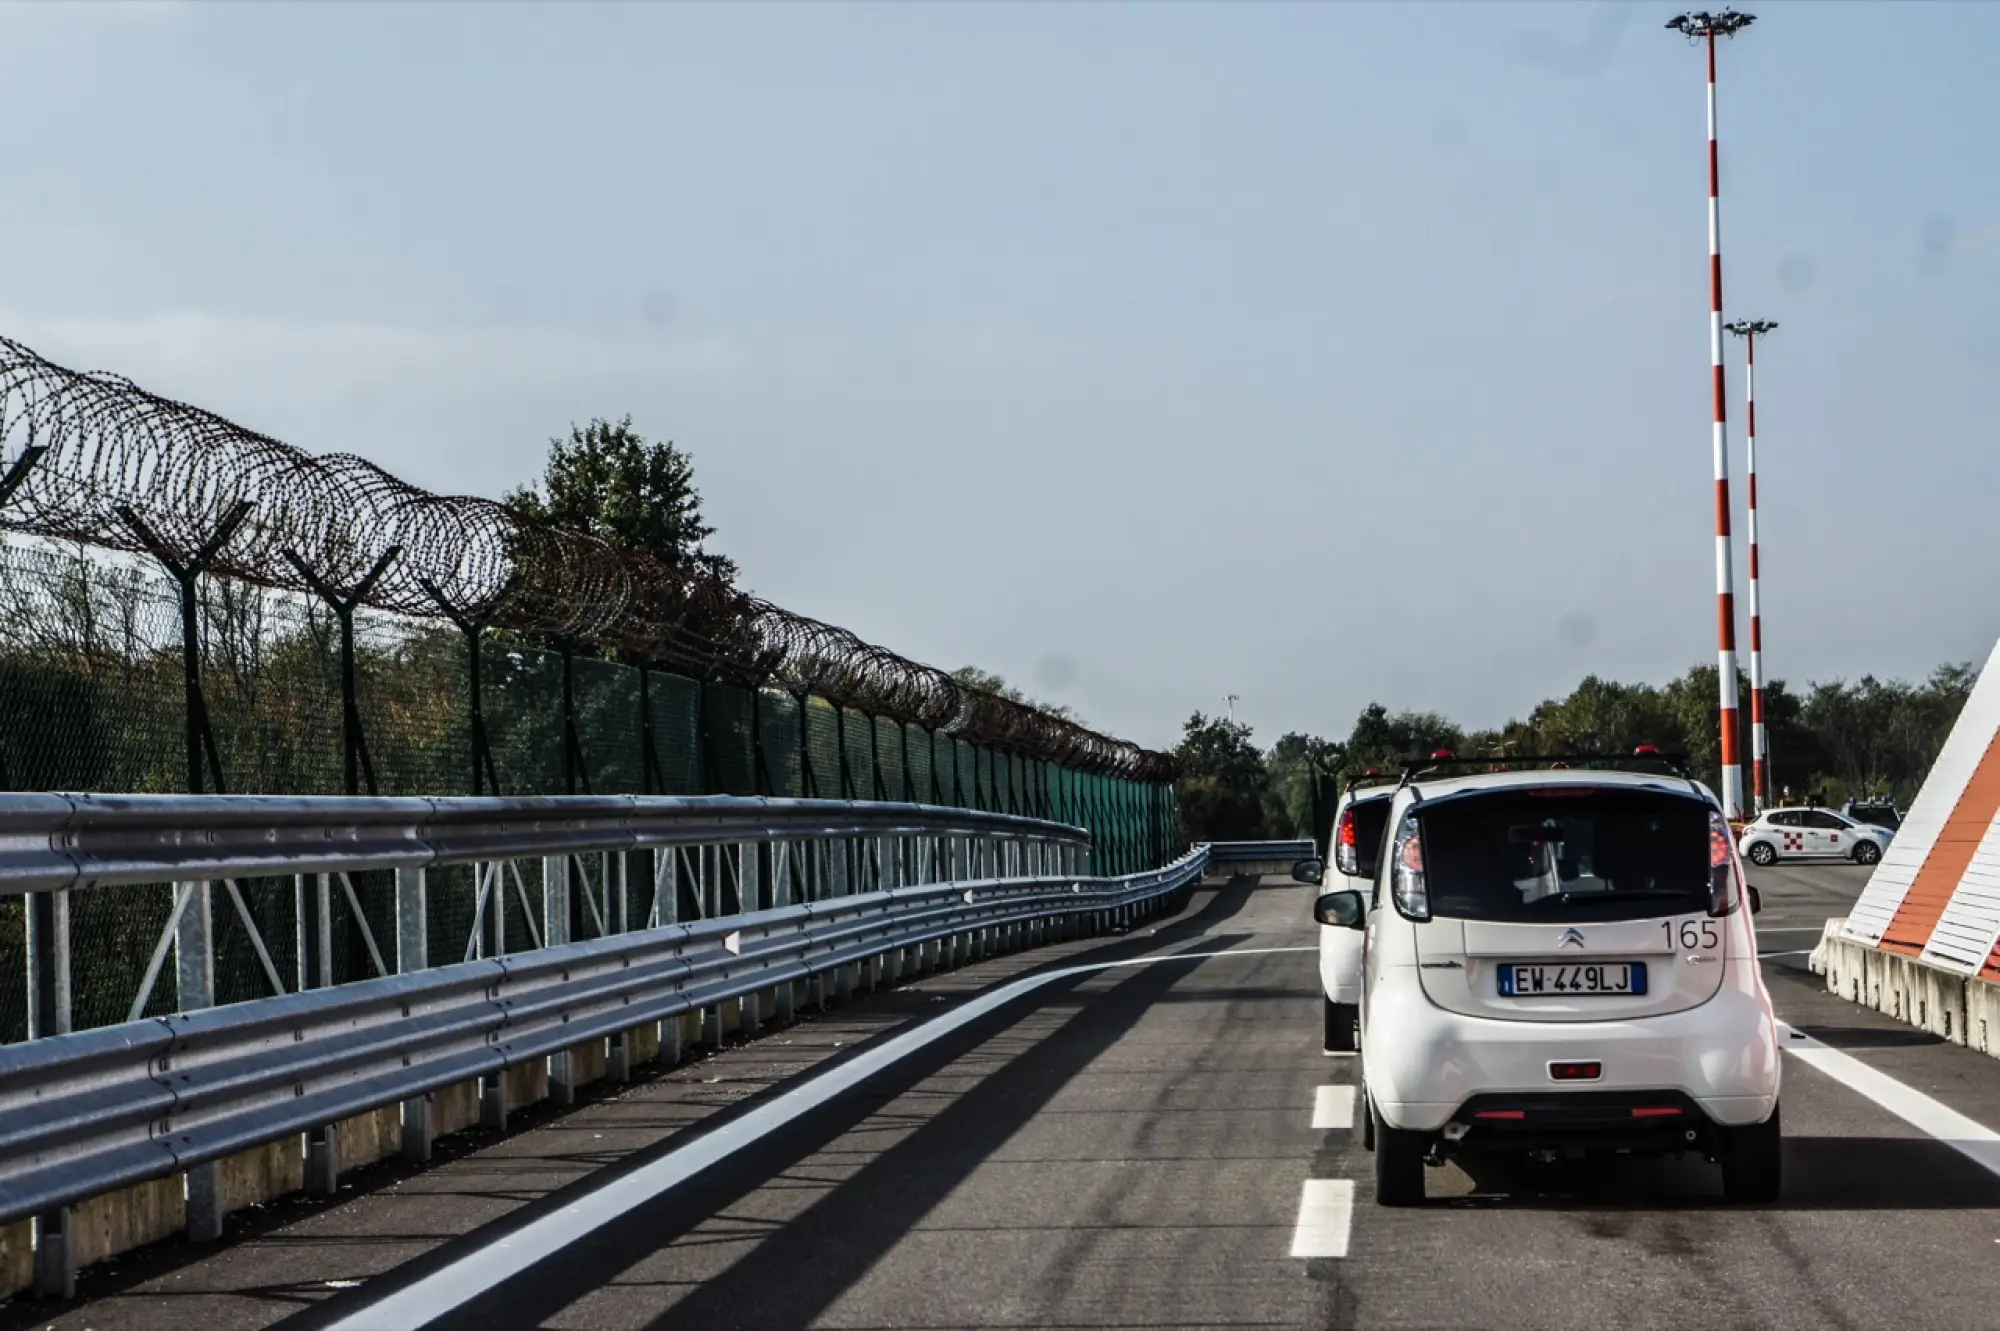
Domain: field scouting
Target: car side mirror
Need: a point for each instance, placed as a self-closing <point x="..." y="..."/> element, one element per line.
<point x="1341" y="910"/>
<point x="1309" y="871"/>
<point x="1756" y="900"/>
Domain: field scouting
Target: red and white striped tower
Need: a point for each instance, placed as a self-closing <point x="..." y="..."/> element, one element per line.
<point x="1705" y="28"/>
<point x="1760" y="745"/>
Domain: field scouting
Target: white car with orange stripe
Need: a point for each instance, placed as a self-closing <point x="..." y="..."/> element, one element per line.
<point x="1796" y="834"/>
<point x="1561" y="963"/>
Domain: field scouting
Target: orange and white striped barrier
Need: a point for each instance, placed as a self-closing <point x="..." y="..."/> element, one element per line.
<point x="1923" y="941"/>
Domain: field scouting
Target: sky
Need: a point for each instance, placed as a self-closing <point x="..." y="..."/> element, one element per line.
<point x="1316" y="353"/>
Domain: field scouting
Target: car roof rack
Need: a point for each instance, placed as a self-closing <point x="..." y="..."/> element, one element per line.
<point x="1371" y="776"/>
<point x="1673" y="761"/>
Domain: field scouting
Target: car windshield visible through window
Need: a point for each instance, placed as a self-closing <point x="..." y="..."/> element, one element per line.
<point x="1371" y="819"/>
<point x="1881" y="815"/>
<point x="1586" y="854"/>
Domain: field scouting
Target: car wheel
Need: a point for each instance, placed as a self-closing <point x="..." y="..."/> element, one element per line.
<point x="1367" y="1118"/>
<point x="1763" y="853"/>
<point x="1399" y="1163"/>
<point x="1752" y="1161"/>
<point x="1867" y="852"/>
<point x="1340" y="1019"/>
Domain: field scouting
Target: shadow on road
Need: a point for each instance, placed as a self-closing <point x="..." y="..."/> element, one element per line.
<point x="1821" y="1174"/>
<point x="836" y="1240"/>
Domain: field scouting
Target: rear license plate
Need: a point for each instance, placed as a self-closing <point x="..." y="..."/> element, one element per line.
<point x="1598" y="979"/>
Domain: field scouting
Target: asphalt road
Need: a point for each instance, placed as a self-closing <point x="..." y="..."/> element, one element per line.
<point x="1140" y="1145"/>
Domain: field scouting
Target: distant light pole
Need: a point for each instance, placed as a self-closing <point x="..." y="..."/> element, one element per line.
<point x="1703" y="27"/>
<point x="1760" y="745"/>
<point x="1232" y="700"/>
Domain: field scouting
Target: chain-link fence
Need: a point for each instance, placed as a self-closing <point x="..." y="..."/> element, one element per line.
<point x="96" y="695"/>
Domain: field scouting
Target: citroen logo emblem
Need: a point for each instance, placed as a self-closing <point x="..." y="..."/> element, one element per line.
<point x="1570" y="938"/>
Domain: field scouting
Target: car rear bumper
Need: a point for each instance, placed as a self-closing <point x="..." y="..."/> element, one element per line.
<point x="1423" y="1065"/>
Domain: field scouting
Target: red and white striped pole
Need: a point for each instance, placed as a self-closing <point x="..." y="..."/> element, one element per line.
<point x="1760" y="745"/>
<point x="1706" y="28"/>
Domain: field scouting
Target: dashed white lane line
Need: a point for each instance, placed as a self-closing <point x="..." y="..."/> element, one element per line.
<point x="1333" y="1107"/>
<point x="1975" y="1141"/>
<point x="1326" y="1215"/>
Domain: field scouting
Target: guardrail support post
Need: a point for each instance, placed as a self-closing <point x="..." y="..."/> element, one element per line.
<point x="49" y="1014"/>
<point x="749" y="895"/>
<point x="413" y="954"/>
<point x="555" y="932"/>
<point x="786" y="998"/>
<point x="315" y="937"/>
<point x="194" y="980"/>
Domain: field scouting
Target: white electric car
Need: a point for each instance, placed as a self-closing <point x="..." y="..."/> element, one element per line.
<point x="1561" y="962"/>
<point x="1794" y="834"/>
<point x="1359" y="820"/>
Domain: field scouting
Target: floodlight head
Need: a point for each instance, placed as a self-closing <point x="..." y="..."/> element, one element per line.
<point x="1698" y="25"/>
<point x="1751" y="327"/>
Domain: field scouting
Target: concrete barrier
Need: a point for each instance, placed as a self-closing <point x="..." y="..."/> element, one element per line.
<point x="1951" y="1006"/>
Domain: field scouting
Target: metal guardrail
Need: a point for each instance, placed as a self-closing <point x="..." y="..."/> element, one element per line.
<point x="1244" y="852"/>
<point x="86" y="1113"/>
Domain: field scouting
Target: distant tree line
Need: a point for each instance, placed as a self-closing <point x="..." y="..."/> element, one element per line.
<point x="1835" y="741"/>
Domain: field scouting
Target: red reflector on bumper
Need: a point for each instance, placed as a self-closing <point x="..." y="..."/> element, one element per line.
<point x="1501" y="1113"/>
<point x="1663" y="1111"/>
<point x="1576" y="1071"/>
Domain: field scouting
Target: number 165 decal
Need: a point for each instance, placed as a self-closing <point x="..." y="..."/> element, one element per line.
<point x="1692" y="934"/>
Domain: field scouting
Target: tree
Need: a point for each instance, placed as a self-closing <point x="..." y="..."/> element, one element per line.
<point x="1299" y="799"/>
<point x="1382" y="740"/>
<point x="606" y="480"/>
<point x="1223" y="780"/>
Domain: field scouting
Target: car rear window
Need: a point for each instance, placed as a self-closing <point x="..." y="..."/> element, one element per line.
<point x="1586" y="854"/>
<point x="1371" y="819"/>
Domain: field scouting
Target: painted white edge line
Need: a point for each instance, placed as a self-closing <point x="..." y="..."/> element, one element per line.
<point x="1975" y="1141"/>
<point x="486" y="1267"/>
<point x="1333" y="1107"/>
<point x="1326" y="1217"/>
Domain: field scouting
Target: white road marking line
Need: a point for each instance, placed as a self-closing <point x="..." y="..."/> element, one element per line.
<point x="1333" y="1107"/>
<point x="487" y="1266"/>
<point x="1975" y="1141"/>
<point x="1326" y="1214"/>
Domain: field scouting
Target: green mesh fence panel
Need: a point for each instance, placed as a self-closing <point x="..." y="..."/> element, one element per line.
<point x="919" y="746"/>
<point x="888" y="738"/>
<point x="823" y="755"/>
<point x="858" y="742"/>
<point x="778" y="742"/>
<point x="608" y="727"/>
<point x="729" y="727"/>
<point x="676" y="709"/>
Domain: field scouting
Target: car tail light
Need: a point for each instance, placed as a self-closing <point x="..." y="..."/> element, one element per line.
<point x="1443" y="753"/>
<point x="1408" y="886"/>
<point x="1644" y="751"/>
<point x="1346" y="854"/>
<point x="1576" y="1071"/>
<point x="1512" y="1114"/>
<point x="1722" y="892"/>
<point x="1655" y="1111"/>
